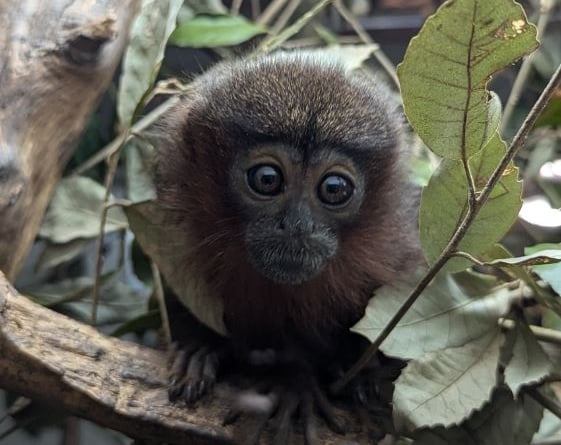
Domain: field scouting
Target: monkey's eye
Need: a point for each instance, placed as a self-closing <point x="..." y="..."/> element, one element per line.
<point x="265" y="179"/>
<point x="335" y="190"/>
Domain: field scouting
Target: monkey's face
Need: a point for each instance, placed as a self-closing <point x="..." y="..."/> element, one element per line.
<point x="294" y="208"/>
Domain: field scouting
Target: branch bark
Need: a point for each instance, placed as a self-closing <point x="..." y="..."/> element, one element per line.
<point x="53" y="359"/>
<point x="56" y="60"/>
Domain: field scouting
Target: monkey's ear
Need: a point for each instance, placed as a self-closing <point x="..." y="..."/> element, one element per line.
<point x="166" y="247"/>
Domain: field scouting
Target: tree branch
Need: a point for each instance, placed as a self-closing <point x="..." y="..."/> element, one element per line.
<point x="53" y="359"/>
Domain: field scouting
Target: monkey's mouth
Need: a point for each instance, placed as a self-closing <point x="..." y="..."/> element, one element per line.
<point x="290" y="261"/>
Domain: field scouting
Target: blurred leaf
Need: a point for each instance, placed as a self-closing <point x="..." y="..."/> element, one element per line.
<point x="141" y="323"/>
<point x="528" y="364"/>
<point x="445" y="387"/>
<point x="352" y="56"/>
<point x="541" y="295"/>
<point x="422" y="170"/>
<point x="442" y="317"/>
<point x="547" y="256"/>
<point x="164" y="247"/>
<point x="503" y="421"/>
<point x="551" y="320"/>
<point x="548" y="58"/>
<point x="139" y="158"/>
<point x="551" y="115"/>
<point x="447" y="66"/>
<point x="56" y="254"/>
<point x="215" y="31"/>
<point x="75" y="210"/>
<point x="444" y="203"/>
<point x="143" y="57"/>
<point x="550" y="273"/>
<point x="326" y="34"/>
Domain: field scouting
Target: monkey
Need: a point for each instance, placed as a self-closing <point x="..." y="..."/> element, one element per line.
<point x="286" y="175"/>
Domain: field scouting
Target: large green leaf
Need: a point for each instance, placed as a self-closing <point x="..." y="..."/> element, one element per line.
<point x="214" y="31"/>
<point x="442" y="317"/>
<point x="444" y="203"/>
<point x="444" y="388"/>
<point x="447" y="66"/>
<point x="75" y="210"/>
<point x="139" y="157"/>
<point x="141" y="63"/>
<point x="503" y="421"/>
<point x="528" y="363"/>
<point x="550" y="273"/>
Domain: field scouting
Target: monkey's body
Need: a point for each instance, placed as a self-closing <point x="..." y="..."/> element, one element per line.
<point x="293" y="266"/>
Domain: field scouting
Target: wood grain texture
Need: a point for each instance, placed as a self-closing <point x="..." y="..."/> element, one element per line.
<point x="56" y="59"/>
<point x="53" y="359"/>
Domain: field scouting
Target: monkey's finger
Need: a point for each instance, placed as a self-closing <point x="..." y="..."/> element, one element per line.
<point x="309" y="419"/>
<point x="192" y="390"/>
<point x="176" y="372"/>
<point x="326" y="410"/>
<point x="284" y="416"/>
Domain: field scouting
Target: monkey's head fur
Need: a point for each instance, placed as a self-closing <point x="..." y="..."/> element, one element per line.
<point x="286" y="175"/>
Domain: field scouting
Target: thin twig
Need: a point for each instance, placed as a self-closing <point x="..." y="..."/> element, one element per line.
<point x="380" y="56"/>
<point x="274" y="42"/>
<point x="236" y="5"/>
<point x="541" y="333"/>
<point x="285" y="16"/>
<point x="526" y="67"/>
<point x="546" y="402"/>
<point x="460" y="232"/>
<point x="115" y="144"/>
<point x="469" y="257"/>
<point x="270" y="12"/>
<point x="109" y="177"/>
<point x="255" y="9"/>
<point x="160" y="297"/>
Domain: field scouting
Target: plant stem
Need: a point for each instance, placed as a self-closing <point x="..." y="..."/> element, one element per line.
<point x="544" y="401"/>
<point x="380" y="56"/>
<point x="458" y="235"/>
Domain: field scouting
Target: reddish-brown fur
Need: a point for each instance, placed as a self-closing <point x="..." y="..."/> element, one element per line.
<point x="192" y="180"/>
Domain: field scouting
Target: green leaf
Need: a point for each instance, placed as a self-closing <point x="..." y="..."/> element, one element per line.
<point x="442" y="317"/>
<point x="352" y="56"/>
<point x="444" y="388"/>
<point x="139" y="161"/>
<point x="447" y="67"/>
<point x="75" y="210"/>
<point x="548" y="256"/>
<point x="215" y="31"/>
<point x="503" y="421"/>
<point x="551" y="115"/>
<point x="444" y="203"/>
<point x="529" y="363"/>
<point x="550" y="273"/>
<point x="56" y="254"/>
<point x="549" y="432"/>
<point x="146" y="220"/>
<point x="141" y="63"/>
<point x="141" y="323"/>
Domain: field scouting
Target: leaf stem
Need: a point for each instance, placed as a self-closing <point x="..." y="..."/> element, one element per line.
<point x="458" y="235"/>
<point x="546" y="402"/>
<point x="541" y="333"/>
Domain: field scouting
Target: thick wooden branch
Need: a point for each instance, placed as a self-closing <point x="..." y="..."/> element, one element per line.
<point x="56" y="59"/>
<point x="51" y="358"/>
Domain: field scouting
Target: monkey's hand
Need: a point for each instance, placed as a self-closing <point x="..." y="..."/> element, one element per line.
<point x="289" y="400"/>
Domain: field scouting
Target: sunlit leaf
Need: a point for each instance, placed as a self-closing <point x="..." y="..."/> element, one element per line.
<point x="447" y="66"/>
<point x="444" y="203"/>
<point x="214" y="31"/>
<point x="547" y="256"/>
<point x="139" y="170"/>
<point x="141" y="63"/>
<point x="550" y="273"/>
